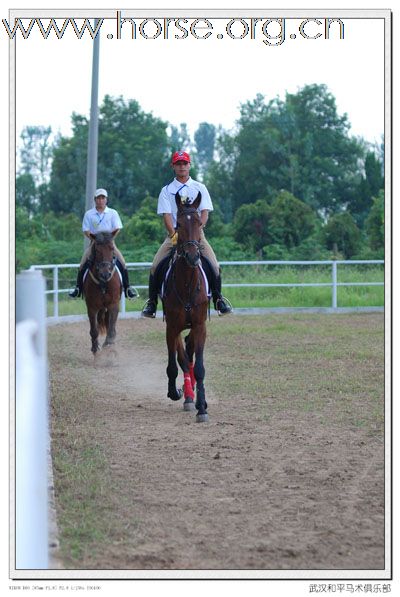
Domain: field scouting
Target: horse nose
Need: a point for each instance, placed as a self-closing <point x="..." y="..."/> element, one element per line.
<point x="193" y="260"/>
<point x="105" y="275"/>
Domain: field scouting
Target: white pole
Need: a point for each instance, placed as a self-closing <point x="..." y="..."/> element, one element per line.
<point x="31" y="423"/>
<point x="55" y="288"/>
<point x="334" y="285"/>
<point x="91" y="170"/>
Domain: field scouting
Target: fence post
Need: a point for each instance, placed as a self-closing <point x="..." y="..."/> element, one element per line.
<point x="334" y="285"/>
<point x="31" y="426"/>
<point x="55" y="294"/>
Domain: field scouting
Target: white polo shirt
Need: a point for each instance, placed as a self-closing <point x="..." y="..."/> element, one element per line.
<point x="95" y="222"/>
<point x="190" y="189"/>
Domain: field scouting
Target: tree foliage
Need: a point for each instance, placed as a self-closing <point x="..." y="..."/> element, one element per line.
<point x="132" y="158"/>
<point x="342" y="234"/>
<point x="375" y="223"/>
<point x="300" y="145"/>
<point x="288" y="181"/>
<point x="205" y="144"/>
<point x="284" y="222"/>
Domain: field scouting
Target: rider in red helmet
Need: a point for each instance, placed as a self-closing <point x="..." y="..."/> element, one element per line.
<point x="189" y="189"/>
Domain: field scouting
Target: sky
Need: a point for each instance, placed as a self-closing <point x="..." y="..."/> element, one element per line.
<point x="195" y="80"/>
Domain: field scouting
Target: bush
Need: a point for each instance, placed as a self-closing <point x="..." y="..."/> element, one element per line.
<point x="342" y="234"/>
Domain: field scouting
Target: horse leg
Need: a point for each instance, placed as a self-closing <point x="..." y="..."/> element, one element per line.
<point x="199" y="372"/>
<point x="187" y="382"/>
<point x="190" y="351"/>
<point x="94" y="331"/>
<point x="111" y="326"/>
<point x="172" y="368"/>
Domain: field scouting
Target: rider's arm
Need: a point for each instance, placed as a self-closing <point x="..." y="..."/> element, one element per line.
<point x="169" y="224"/>
<point x="204" y="217"/>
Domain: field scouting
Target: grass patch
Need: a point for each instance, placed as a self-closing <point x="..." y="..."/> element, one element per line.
<point x="82" y="481"/>
<point x="347" y="296"/>
<point x="331" y="365"/>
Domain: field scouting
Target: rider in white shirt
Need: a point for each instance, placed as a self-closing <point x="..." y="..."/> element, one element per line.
<point x="102" y="218"/>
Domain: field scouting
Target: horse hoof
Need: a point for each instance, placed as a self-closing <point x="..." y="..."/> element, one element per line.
<point x="177" y="396"/>
<point x="188" y="405"/>
<point x="202" y="418"/>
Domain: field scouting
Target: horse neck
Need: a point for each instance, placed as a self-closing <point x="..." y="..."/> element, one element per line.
<point x="185" y="274"/>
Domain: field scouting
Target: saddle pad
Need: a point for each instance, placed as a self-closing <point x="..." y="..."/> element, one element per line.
<point x="207" y="286"/>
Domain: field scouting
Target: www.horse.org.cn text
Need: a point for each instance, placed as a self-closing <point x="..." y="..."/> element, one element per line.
<point x="271" y="32"/>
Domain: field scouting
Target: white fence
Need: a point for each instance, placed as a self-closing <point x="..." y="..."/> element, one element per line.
<point x="334" y="284"/>
<point x="31" y="424"/>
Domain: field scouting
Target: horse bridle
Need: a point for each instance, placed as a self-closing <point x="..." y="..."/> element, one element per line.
<point x="182" y="247"/>
<point x="102" y="264"/>
<point x="182" y="251"/>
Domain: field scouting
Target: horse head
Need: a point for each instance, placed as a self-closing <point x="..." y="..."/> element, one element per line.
<point x="103" y="255"/>
<point x="188" y="223"/>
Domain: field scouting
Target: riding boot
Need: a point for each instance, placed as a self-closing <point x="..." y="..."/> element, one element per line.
<point x="221" y="304"/>
<point x="150" y="308"/>
<point x="77" y="291"/>
<point x="130" y="291"/>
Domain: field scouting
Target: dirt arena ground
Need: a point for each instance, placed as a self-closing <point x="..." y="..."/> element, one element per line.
<point x="288" y="474"/>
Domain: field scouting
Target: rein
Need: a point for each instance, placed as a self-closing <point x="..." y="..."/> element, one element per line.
<point x="102" y="283"/>
<point x="192" y="292"/>
<point x="96" y="280"/>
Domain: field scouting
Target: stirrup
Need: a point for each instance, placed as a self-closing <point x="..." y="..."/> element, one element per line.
<point x="76" y="292"/>
<point x="149" y="309"/>
<point x="131" y="292"/>
<point x="223" y="306"/>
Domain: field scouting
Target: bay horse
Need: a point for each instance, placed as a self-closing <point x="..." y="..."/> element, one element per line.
<point x="185" y="301"/>
<point x="102" y="290"/>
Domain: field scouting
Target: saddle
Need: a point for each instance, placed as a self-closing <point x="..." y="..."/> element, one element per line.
<point x="166" y="267"/>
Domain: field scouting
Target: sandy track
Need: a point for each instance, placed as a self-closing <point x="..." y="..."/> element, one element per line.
<point x="240" y="492"/>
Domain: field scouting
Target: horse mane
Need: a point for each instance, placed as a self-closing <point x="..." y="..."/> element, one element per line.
<point x="102" y="238"/>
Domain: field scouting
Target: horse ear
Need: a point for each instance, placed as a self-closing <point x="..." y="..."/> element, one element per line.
<point x="114" y="232"/>
<point x="92" y="236"/>
<point x="178" y="201"/>
<point x="197" y="201"/>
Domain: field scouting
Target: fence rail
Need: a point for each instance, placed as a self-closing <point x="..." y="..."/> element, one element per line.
<point x="135" y="265"/>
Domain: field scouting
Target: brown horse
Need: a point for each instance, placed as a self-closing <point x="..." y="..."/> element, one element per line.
<point x="102" y="290"/>
<point x="185" y="301"/>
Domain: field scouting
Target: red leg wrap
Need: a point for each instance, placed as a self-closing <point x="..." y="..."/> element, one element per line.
<point x="192" y="377"/>
<point x="187" y="386"/>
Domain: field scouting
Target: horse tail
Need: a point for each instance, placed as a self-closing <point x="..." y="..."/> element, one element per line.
<point x="102" y="321"/>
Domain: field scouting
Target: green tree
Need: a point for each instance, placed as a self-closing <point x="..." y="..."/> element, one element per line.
<point x="375" y="223"/>
<point x="219" y="176"/>
<point x="67" y="184"/>
<point x="342" y="234"/>
<point x="251" y="225"/>
<point x="26" y="194"/>
<point x="300" y="145"/>
<point x="179" y="138"/>
<point x="67" y="228"/>
<point x="144" y="226"/>
<point x="291" y="220"/>
<point x="133" y="158"/>
<point x="372" y="181"/>
<point x="36" y="153"/>
<point x="204" y="138"/>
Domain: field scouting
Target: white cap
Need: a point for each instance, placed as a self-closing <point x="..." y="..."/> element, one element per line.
<point x="101" y="192"/>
